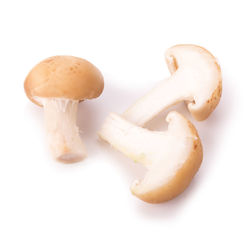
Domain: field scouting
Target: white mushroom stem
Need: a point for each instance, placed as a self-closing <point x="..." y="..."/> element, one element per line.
<point x="63" y="134"/>
<point x="167" y="92"/>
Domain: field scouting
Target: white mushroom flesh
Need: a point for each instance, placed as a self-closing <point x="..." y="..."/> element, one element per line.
<point x="63" y="134"/>
<point x="194" y="78"/>
<point x="162" y="153"/>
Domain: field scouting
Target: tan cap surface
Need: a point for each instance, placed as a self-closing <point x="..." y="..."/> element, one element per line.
<point x="64" y="77"/>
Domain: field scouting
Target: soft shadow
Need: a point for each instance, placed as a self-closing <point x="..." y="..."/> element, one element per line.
<point x="35" y="112"/>
<point x="212" y="130"/>
<point x="168" y="210"/>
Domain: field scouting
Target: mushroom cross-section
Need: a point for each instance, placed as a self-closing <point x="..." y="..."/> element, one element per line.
<point x="58" y="84"/>
<point x="195" y="79"/>
<point x="171" y="157"/>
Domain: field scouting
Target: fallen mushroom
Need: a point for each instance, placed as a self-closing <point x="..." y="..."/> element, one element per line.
<point x="196" y="79"/>
<point x="171" y="157"/>
<point x="58" y="84"/>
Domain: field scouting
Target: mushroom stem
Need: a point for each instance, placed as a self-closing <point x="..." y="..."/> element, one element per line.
<point x="167" y="92"/>
<point x="62" y="131"/>
<point x="140" y="144"/>
<point x="128" y="138"/>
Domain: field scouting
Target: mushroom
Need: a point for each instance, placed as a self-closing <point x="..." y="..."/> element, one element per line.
<point x="171" y="157"/>
<point x="58" y="84"/>
<point x="195" y="79"/>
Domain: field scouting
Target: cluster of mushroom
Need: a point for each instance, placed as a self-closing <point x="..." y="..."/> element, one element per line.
<point x="172" y="157"/>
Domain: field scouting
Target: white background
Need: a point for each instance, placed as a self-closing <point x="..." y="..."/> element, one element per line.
<point x="88" y="205"/>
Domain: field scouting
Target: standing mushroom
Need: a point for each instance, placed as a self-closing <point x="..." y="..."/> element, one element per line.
<point x="58" y="84"/>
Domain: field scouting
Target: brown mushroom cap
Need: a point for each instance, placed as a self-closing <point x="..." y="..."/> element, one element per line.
<point x="64" y="77"/>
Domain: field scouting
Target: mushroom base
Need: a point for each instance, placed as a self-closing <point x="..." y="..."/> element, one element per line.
<point x="62" y="131"/>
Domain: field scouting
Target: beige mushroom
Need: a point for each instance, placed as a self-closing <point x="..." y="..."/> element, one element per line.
<point x="58" y="84"/>
<point x="196" y="79"/>
<point x="171" y="157"/>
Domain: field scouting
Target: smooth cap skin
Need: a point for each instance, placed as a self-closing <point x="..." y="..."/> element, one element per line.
<point x="202" y="76"/>
<point x="64" y="77"/>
